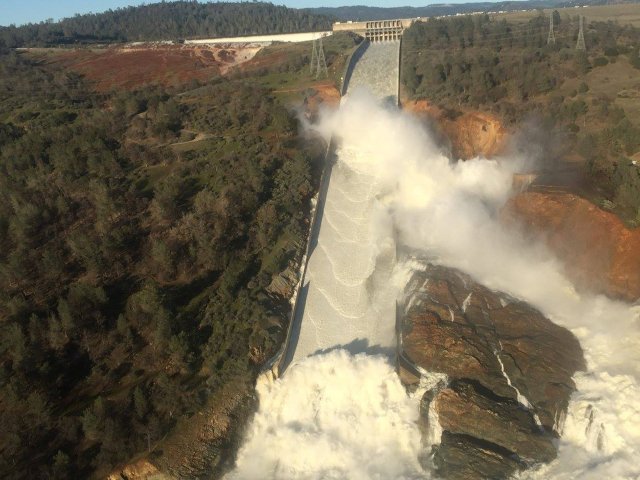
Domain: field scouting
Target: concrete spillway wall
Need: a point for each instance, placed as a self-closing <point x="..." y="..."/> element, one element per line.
<point x="343" y="301"/>
<point x="276" y="365"/>
<point x="328" y="312"/>
<point x="350" y="65"/>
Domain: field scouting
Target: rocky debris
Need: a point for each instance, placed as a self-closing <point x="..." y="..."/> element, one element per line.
<point x="284" y="283"/>
<point x="510" y="373"/>
<point x="600" y="254"/>
<point x="141" y="470"/>
<point x="204" y="445"/>
<point x="465" y="409"/>
<point x="470" y="134"/>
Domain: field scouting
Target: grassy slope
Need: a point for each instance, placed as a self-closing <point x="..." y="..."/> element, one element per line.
<point x="628" y="13"/>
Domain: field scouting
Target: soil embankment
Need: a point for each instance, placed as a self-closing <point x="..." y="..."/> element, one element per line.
<point x="599" y="252"/>
<point x="468" y="134"/>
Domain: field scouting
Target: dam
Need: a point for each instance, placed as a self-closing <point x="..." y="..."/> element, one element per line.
<point x="344" y="301"/>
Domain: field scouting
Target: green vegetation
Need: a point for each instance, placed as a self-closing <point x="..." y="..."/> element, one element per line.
<point x="135" y="263"/>
<point x="167" y="21"/>
<point x="592" y="98"/>
<point x="285" y="67"/>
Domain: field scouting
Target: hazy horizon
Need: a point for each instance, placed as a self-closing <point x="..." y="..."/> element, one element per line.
<point x="20" y="12"/>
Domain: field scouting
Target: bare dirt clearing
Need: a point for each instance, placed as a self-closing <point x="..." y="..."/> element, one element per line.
<point x="132" y="66"/>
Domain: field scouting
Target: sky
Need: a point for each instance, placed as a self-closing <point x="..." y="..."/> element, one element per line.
<point x="24" y="11"/>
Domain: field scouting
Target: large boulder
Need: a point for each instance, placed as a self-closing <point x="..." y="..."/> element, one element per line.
<point x="461" y="457"/>
<point x="510" y="370"/>
<point x="464" y="409"/>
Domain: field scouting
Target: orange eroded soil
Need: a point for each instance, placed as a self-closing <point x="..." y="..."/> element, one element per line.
<point x="326" y="94"/>
<point x="600" y="254"/>
<point x="471" y="133"/>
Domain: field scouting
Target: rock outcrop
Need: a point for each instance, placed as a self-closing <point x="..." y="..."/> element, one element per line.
<point x="204" y="445"/>
<point x="284" y="283"/>
<point x="509" y="368"/>
<point x="140" y="470"/>
<point x="599" y="253"/>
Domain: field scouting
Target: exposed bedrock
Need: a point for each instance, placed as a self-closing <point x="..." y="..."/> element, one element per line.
<point x="510" y="373"/>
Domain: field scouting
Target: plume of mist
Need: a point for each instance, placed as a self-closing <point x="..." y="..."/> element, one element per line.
<point x="337" y="416"/>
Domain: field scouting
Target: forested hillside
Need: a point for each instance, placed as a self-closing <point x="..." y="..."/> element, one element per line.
<point x="134" y="264"/>
<point x="584" y="101"/>
<point x="167" y="21"/>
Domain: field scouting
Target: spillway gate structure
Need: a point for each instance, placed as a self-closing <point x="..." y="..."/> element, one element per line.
<point x="378" y="30"/>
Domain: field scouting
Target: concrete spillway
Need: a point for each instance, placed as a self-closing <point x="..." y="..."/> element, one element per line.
<point x="344" y="301"/>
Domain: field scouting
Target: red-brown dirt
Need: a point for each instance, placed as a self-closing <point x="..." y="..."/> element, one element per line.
<point x="133" y="66"/>
<point x="599" y="252"/>
<point x="325" y="94"/>
<point x="471" y="133"/>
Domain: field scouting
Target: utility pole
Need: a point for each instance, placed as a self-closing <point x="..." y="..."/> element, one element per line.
<point x="314" y="58"/>
<point x="322" y="62"/>
<point x="551" y="39"/>
<point x="581" y="45"/>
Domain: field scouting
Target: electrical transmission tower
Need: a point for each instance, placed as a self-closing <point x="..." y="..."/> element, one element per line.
<point x="581" y="45"/>
<point x="551" y="39"/>
<point x="318" y="60"/>
<point x="314" y="58"/>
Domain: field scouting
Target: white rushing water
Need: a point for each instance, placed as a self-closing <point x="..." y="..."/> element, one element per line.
<point x="349" y="302"/>
<point x="335" y="416"/>
<point x="342" y="416"/>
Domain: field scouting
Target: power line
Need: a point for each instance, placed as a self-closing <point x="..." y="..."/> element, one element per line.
<point x="418" y="49"/>
<point x="538" y="32"/>
<point x="480" y="43"/>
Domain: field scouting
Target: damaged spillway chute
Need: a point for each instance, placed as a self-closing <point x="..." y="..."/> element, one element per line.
<point x="344" y="300"/>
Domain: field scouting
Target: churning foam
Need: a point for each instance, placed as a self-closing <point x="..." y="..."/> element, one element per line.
<point x="335" y="416"/>
<point x="338" y="416"/>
